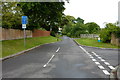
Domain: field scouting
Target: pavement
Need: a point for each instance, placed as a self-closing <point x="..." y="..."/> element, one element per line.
<point x="63" y="59"/>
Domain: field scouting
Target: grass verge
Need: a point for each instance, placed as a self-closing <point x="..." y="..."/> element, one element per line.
<point x="10" y="47"/>
<point x="94" y="43"/>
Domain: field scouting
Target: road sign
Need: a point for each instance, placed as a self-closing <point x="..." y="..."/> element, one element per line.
<point x="24" y="20"/>
<point x="23" y="26"/>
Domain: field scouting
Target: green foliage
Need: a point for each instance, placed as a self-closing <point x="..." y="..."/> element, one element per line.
<point x="92" y="27"/>
<point x="43" y="14"/>
<point x="11" y="17"/>
<point x="74" y="27"/>
<point x="53" y="33"/>
<point x="80" y="20"/>
<point x="105" y="34"/>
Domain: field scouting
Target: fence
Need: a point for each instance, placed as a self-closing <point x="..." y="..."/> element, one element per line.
<point x="115" y="40"/>
<point x="9" y="34"/>
<point x="39" y="33"/>
<point x="89" y="35"/>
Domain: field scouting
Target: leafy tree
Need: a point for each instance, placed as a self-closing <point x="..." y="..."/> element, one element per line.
<point x="110" y="28"/>
<point x="11" y="15"/>
<point x="79" y="20"/>
<point x="92" y="27"/>
<point x="43" y="14"/>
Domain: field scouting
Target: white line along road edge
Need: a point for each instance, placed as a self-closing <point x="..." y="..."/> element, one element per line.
<point x="51" y="58"/>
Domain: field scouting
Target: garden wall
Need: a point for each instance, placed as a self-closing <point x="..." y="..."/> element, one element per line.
<point x="89" y="35"/>
<point x="115" y="40"/>
<point x="39" y="33"/>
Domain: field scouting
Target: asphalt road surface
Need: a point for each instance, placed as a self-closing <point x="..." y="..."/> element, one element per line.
<point x="64" y="59"/>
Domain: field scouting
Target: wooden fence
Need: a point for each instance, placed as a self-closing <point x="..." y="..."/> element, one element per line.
<point x="10" y="34"/>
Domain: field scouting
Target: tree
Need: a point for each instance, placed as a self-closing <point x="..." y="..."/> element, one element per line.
<point x="92" y="27"/>
<point x="43" y="14"/>
<point x="105" y="34"/>
<point x="11" y="15"/>
<point x="79" y="20"/>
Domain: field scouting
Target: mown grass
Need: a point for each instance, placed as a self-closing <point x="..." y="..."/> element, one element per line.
<point x="94" y="43"/>
<point x="14" y="46"/>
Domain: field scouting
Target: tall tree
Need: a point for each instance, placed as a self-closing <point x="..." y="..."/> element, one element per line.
<point x="43" y="14"/>
<point x="11" y="15"/>
<point x="92" y="27"/>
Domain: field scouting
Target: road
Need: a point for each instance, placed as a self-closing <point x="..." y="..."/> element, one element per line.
<point x="64" y="59"/>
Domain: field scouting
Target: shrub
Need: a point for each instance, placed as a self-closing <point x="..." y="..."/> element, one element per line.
<point x="52" y="33"/>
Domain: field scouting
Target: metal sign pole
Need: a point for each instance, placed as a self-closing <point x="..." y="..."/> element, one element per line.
<point x="24" y="22"/>
<point x="24" y="38"/>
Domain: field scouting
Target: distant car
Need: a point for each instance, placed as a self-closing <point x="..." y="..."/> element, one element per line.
<point x="115" y="73"/>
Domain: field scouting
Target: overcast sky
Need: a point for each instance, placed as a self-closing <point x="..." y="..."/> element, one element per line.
<point x="98" y="11"/>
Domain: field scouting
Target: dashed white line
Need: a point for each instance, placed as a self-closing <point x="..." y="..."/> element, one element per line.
<point x="94" y="60"/>
<point x="51" y="58"/>
<point x="102" y="60"/>
<point x="101" y="67"/>
<point x="57" y="49"/>
<point x="107" y="63"/>
<point x="92" y="57"/>
<point x="111" y="67"/>
<point x="49" y="61"/>
<point x="99" y="57"/>
<point x="97" y="63"/>
<point x="106" y="72"/>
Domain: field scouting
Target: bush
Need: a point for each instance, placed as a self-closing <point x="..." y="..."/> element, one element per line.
<point x="105" y="35"/>
<point x="52" y="33"/>
<point x="110" y="28"/>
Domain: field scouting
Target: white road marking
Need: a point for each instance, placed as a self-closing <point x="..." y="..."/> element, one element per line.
<point x="97" y="55"/>
<point x="97" y="63"/>
<point x="49" y="61"/>
<point x="106" y="63"/>
<point x="92" y="57"/>
<point x="101" y="67"/>
<point x="83" y="49"/>
<point x="111" y="67"/>
<point x="106" y="72"/>
<point x="102" y="60"/>
<point x="57" y="49"/>
<point x="94" y="53"/>
<point x="94" y="60"/>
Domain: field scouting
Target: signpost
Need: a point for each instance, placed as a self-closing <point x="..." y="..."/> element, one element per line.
<point x="24" y="22"/>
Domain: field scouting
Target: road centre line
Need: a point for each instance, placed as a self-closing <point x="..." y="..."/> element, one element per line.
<point x="106" y="72"/>
<point x="49" y="61"/>
<point x="51" y="58"/>
<point x="57" y="49"/>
